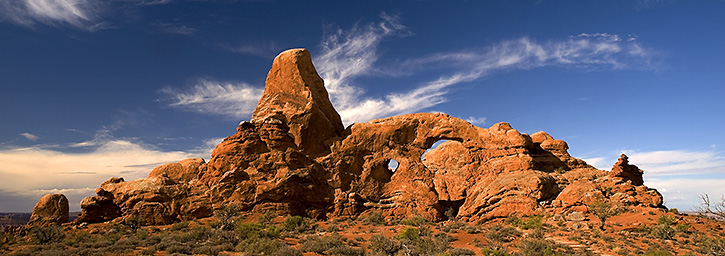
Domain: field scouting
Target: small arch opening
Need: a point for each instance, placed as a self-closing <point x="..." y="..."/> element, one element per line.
<point x="393" y="165"/>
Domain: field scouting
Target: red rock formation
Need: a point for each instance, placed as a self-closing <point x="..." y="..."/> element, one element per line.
<point x="98" y="208"/>
<point x="624" y="170"/>
<point x="50" y="209"/>
<point x="294" y="89"/>
<point x="294" y="157"/>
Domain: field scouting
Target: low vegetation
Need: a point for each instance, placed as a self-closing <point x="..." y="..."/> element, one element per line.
<point x="268" y="234"/>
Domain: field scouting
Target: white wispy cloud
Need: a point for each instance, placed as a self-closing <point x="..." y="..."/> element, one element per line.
<point x="684" y="193"/>
<point x="476" y="120"/>
<point x="82" y="14"/>
<point x="178" y="29"/>
<point x="349" y="54"/>
<point x="678" y="162"/>
<point x="235" y="100"/>
<point x="34" y="171"/>
<point x="30" y="136"/>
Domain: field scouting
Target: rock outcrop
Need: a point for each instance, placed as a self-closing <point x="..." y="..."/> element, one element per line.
<point x="50" y="209"/>
<point x="295" y="90"/>
<point x="295" y="157"/>
<point x="624" y="170"/>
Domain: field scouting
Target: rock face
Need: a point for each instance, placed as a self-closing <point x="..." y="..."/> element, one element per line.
<point x="295" y="90"/>
<point x="295" y="157"/>
<point x="50" y="209"/>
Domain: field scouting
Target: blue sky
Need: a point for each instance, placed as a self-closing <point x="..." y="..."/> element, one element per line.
<point x="95" y="89"/>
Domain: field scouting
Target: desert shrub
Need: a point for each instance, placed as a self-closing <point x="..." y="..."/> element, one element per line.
<point x="374" y="219"/>
<point x="434" y="245"/>
<point x="151" y="240"/>
<point x="683" y="228"/>
<point x="179" y="248"/>
<point x="43" y="250"/>
<point x="712" y="246"/>
<point x="180" y="226"/>
<point x="84" y="251"/>
<point x="320" y="244"/>
<point x="451" y="213"/>
<point x="198" y="233"/>
<point x="208" y="249"/>
<point x="460" y="252"/>
<point x="658" y="252"/>
<point x="254" y="231"/>
<point x="499" y="233"/>
<point x="345" y="250"/>
<point x="266" y="246"/>
<point x="493" y="252"/>
<point x="539" y="233"/>
<point x="663" y="229"/>
<point x="5" y="238"/>
<point x="47" y="235"/>
<point x="266" y="218"/>
<point x="295" y="224"/>
<point x="409" y="233"/>
<point x="532" y="222"/>
<point x="227" y="216"/>
<point x="452" y="226"/>
<point x="416" y="221"/>
<point x="605" y="210"/>
<point x="382" y="245"/>
<point x="148" y="251"/>
<point x="535" y="247"/>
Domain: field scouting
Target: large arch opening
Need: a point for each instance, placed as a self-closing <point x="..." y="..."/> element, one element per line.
<point x="446" y="159"/>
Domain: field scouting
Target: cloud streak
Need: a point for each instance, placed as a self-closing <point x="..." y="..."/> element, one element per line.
<point x="231" y="99"/>
<point x="347" y="55"/>
<point x="674" y="162"/>
<point x="81" y="14"/>
<point x="30" y="136"/>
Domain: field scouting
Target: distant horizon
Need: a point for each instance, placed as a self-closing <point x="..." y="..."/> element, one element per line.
<point x="101" y="89"/>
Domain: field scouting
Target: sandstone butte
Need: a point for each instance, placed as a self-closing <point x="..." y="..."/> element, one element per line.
<point x="295" y="157"/>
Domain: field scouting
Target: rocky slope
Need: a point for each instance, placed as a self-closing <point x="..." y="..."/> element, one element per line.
<point x="294" y="157"/>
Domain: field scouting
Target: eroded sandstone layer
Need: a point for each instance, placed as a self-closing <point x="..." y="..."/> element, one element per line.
<point x="295" y="157"/>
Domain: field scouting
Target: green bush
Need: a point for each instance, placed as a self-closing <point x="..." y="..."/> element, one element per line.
<point x="409" y="233"/>
<point x="295" y="224"/>
<point x="712" y="246"/>
<point x="320" y="244"/>
<point x="415" y="221"/>
<point x="266" y="218"/>
<point x="460" y="252"/>
<point x="532" y="222"/>
<point x="255" y="231"/>
<point x="383" y="245"/>
<point x="493" y="252"/>
<point x="47" y="235"/>
<point x="658" y="252"/>
<point x="266" y="246"/>
<point x="374" y="219"/>
<point x="499" y="233"/>
<point x="535" y="247"/>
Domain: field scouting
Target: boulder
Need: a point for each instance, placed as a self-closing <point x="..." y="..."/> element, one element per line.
<point x="98" y="208"/>
<point x="50" y="209"/>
